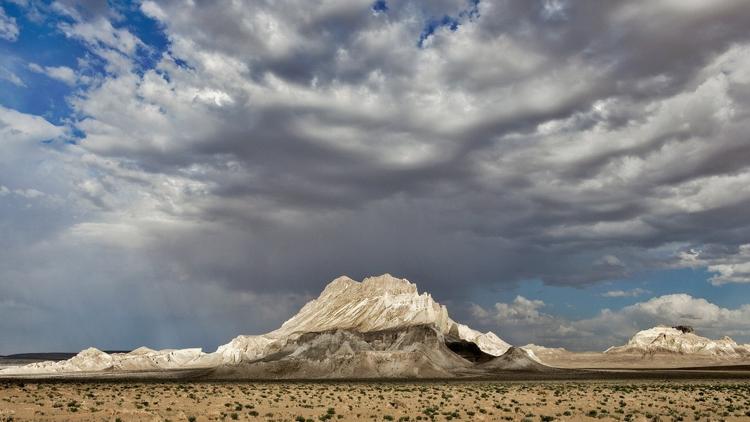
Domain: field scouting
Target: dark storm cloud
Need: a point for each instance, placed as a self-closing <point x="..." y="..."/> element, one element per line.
<point x="321" y="158"/>
<point x="279" y="144"/>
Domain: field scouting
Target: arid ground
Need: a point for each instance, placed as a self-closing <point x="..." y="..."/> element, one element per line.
<point x="673" y="400"/>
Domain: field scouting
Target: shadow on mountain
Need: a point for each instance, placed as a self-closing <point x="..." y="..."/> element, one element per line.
<point x="469" y="351"/>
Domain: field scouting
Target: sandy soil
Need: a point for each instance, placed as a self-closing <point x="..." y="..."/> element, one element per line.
<point x="351" y="401"/>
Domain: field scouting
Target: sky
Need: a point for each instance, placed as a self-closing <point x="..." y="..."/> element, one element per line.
<point x="565" y="173"/>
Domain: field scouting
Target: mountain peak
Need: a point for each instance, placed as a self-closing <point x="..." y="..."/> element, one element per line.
<point x="390" y="284"/>
<point x="338" y="285"/>
<point x="376" y="285"/>
<point x="376" y="303"/>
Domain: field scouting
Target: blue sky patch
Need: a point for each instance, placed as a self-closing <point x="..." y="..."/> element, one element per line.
<point x="450" y="22"/>
<point x="41" y="44"/>
<point x="380" y="6"/>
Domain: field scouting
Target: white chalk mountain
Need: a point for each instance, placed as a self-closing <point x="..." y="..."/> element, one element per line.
<point x="679" y="340"/>
<point x="375" y="304"/>
<point x="380" y="327"/>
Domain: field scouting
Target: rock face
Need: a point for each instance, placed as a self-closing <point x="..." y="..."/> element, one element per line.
<point x="412" y="352"/>
<point x="680" y="340"/>
<point x="381" y="327"/>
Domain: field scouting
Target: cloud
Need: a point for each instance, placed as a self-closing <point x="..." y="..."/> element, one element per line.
<point x="626" y="293"/>
<point x="520" y="310"/>
<point x="273" y="146"/>
<point x="11" y="77"/>
<point x="100" y="33"/>
<point x="613" y="327"/>
<point x="152" y="9"/>
<point x="353" y="118"/>
<point x="730" y="265"/>
<point x="61" y="73"/>
<point x="25" y="193"/>
<point x="730" y="273"/>
<point x="17" y="127"/>
<point x="8" y="27"/>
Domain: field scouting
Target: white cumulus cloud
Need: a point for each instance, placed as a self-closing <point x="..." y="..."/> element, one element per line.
<point x="61" y="73"/>
<point x="613" y="327"/>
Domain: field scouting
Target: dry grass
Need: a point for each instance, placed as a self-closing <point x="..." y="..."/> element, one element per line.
<point x="469" y="401"/>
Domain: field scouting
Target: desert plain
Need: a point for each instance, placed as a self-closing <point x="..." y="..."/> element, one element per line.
<point x="624" y="400"/>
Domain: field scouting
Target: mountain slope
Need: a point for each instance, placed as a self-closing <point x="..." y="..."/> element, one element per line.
<point x="516" y="359"/>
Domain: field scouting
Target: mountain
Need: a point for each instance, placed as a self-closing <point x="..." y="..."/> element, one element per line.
<point x="375" y="304"/>
<point x="679" y="340"/>
<point x="381" y="327"/>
